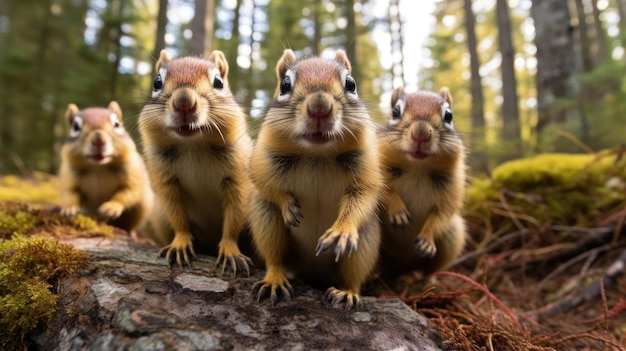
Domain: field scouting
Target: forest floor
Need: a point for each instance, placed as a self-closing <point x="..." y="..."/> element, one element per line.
<point x="518" y="295"/>
<point x="530" y="278"/>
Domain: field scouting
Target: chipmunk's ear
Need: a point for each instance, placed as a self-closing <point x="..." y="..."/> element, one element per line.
<point x="70" y="113"/>
<point x="284" y="63"/>
<point x="219" y="60"/>
<point x="396" y="95"/>
<point x="115" y="107"/>
<point x="342" y="58"/>
<point x="445" y="94"/>
<point x="164" y="59"/>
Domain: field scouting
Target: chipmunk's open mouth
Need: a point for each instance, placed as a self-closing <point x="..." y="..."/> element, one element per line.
<point x="186" y="130"/>
<point x="419" y="155"/>
<point x="99" y="157"/>
<point x="318" y="137"/>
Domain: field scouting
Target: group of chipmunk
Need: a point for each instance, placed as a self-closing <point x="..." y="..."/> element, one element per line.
<point x="327" y="195"/>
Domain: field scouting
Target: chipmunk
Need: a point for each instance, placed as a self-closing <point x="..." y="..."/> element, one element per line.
<point x="423" y="229"/>
<point x="102" y="173"/>
<point x="196" y="148"/>
<point x="318" y="178"/>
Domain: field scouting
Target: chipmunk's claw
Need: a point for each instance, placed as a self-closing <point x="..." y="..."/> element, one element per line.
<point x="425" y="248"/>
<point x="180" y="251"/>
<point x="338" y="297"/>
<point x="272" y="288"/>
<point x="401" y="219"/>
<point x="342" y="241"/>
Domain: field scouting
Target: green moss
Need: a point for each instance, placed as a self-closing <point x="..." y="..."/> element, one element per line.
<point x="563" y="189"/>
<point x="28" y="267"/>
<point x="38" y="188"/>
<point x="85" y="223"/>
<point x="15" y="222"/>
<point x="31" y="219"/>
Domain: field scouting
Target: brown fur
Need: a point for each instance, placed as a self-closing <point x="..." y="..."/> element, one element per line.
<point x="102" y="173"/>
<point x="316" y="196"/>
<point x="422" y="229"/>
<point x="196" y="146"/>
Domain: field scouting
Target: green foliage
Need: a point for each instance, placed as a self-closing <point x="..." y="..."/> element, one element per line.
<point x="28" y="268"/>
<point x="561" y="189"/>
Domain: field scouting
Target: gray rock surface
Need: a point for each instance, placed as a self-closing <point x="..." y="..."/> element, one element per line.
<point x="127" y="298"/>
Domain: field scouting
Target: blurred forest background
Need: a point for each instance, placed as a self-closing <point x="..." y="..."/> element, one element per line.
<point x="527" y="76"/>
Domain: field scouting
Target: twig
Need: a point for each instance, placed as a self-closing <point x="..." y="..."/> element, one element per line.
<point x="592" y="291"/>
<point x="569" y="263"/>
<point x="516" y="221"/>
<point x="583" y="230"/>
<point x="485" y="291"/>
<point x="491" y="246"/>
<point x="621" y="306"/>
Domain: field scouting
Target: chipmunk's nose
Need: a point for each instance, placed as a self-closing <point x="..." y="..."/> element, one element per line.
<point x="185" y="106"/>
<point x="420" y="137"/>
<point x="321" y="113"/>
<point x="98" y="140"/>
<point x="319" y="106"/>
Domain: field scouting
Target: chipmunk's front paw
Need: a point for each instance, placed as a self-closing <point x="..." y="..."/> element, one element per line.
<point x="70" y="211"/>
<point x="425" y="248"/>
<point x="230" y="257"/>
<point x="292" y="213"/>
<point x="338" y="297"/>
<point x="401" y="218"/>
<point x="342" y="241"/>
<point x="272" y="286"/>
<point x="111" y="209"/>
<point x="179" y="251"/>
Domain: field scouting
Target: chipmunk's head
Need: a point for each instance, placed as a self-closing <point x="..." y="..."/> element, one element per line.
<point x="190" y="96"/>
<point x="316" y="100"/>
<point x="422" y="123"/>
<point x="98" y="133"/>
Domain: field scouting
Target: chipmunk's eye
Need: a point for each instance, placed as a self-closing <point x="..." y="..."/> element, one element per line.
<point x="77" y="126"/>
<point x="285" y="86"/>
<point x="117" y="125"/>
<point x="350" y="85"/>
<point x="396" y="113"/>
<point x="158" y="83"/>
<point x="218" y="82"/>
<point x="447" y="116"/>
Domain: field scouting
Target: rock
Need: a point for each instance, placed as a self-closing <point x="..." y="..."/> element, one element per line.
<point x="127" y="298"/>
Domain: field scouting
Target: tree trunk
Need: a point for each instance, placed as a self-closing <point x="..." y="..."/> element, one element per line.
<point x="232" y="53"/>
<point x="351" y="39"/>
<point x="250" y="83"/>
<point x="600" y="38"/>
<point x="397" y="44"/>
<point x="476" y="87"/>
<point x="317" y="28"/>
<point x="621" y="8"/>
<point x="159" y="43"/>
<point x="510" y="111"/>
<point x="116" y="36"/>
<point x="202" y="28"/>
<point x="584" y="38"/>
<point x="557" y="89"/>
